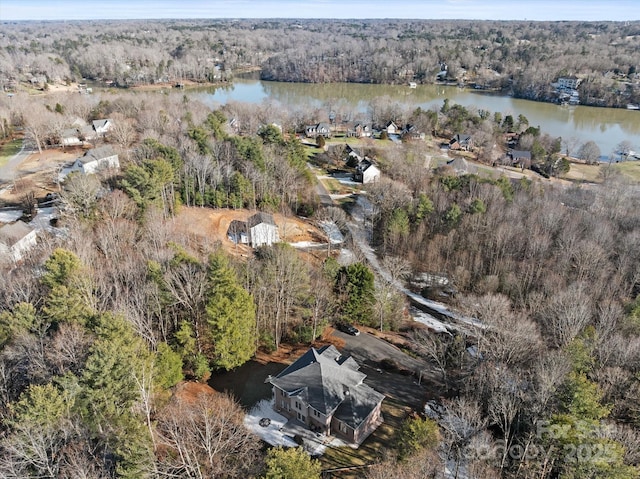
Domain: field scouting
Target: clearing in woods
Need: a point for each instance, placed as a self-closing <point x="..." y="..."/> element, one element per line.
<point x="213" y="224"/>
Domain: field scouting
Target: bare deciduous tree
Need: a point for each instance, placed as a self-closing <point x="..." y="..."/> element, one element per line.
<point x="566" y="314"/>
<point x="462" y="420"/>
<point x="205" y="437"/>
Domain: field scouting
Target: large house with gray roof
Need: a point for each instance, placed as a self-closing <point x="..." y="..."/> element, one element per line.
<point x="325" y="391"/>
<point x="95" y="160"/>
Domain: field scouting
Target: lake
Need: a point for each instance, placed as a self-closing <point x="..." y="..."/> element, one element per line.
<point x="606" y="126"/>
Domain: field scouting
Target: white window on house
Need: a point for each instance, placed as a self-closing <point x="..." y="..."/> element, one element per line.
<point x="342" y="427"/>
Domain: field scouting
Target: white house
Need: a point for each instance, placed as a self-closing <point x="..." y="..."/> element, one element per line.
<point x="568" y="83"/>
<point x="102" y="127"/>
<point x="259" y="230"/>
<point x="366" y="172"/>
<point x="95" y="160"/>
<point x="16" y="239"/>
<point x="262" y="230"/>
<point x="320" y="129"/>
<point x="70" y="137"/>
<point x="392" y="128"/>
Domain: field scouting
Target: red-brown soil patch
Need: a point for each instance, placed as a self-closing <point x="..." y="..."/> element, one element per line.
<point x="213" y="224"/>
<point x="188" y="391"/>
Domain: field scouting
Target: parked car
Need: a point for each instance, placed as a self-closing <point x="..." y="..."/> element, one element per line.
<point x="349" y="329"/>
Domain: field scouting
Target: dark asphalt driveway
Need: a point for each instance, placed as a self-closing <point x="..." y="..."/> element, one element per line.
<point x="368" y="351"/>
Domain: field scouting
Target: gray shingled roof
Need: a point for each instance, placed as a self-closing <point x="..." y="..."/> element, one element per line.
<point x="12" y="233"/>
<point x="260" y="217"/>
<point x="364" y="165"/>
<point x="70" y="133"/>
<point x="460" y="138"/>
<point x="520" y="154"/>
<point x="97" y="154"/>
<point x="357" y="405"/>
<point x="329" y="382"/>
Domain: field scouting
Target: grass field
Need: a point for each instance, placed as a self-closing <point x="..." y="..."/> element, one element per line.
<point x="9" y="149"/>
<point x="581" y="172"/>
<point x="374" y="449"/>
<point x="592" y="173"/>
<point x="630" y="169"/>
<point x="333" y="186"/>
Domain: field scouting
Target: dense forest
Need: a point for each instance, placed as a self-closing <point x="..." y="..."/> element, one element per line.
<point x="100" y="325"/>
<point x="518" y="58"/>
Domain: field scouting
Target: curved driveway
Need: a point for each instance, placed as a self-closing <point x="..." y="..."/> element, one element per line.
<point x="8" y="170"/>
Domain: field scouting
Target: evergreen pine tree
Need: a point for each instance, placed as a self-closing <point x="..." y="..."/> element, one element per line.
<point x="231" y="316"/>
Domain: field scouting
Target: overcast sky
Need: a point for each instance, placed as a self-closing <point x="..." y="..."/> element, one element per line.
<point x="620" y="10"/>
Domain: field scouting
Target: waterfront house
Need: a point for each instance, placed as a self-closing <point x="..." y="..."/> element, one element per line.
<point x="411" y="132"/>
<point x="568" y="83"/>
<point x="520" y="158"/>
<point x="392" y="128"/>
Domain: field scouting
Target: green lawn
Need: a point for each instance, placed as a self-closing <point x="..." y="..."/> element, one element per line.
<point x="581" y="172"/>
<point x="591" y="173"/>
<point x="9" y="149"/>
<point x="333" y="186"/>
<point x="374" y="447"/>
<point x="313" y="151"/>
<point x="630" y="169"/>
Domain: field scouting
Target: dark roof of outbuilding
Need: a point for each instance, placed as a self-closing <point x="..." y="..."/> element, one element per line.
<point x="237" y="227"/>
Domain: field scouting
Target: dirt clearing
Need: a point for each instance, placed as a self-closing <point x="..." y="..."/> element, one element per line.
<point x="213" y="224"/>
<point x="37" y="174"/>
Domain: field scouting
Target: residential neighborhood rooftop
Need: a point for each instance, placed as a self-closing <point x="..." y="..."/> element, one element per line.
<point x="10" y="234"/>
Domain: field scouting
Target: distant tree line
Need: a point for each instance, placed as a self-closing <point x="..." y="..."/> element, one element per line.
<point x="519" y="57"/>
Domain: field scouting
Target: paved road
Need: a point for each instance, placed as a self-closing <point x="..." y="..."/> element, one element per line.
<point x="323" y="194"/>
<point x="8" y="170"/>
<point x="357" y="226"/>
